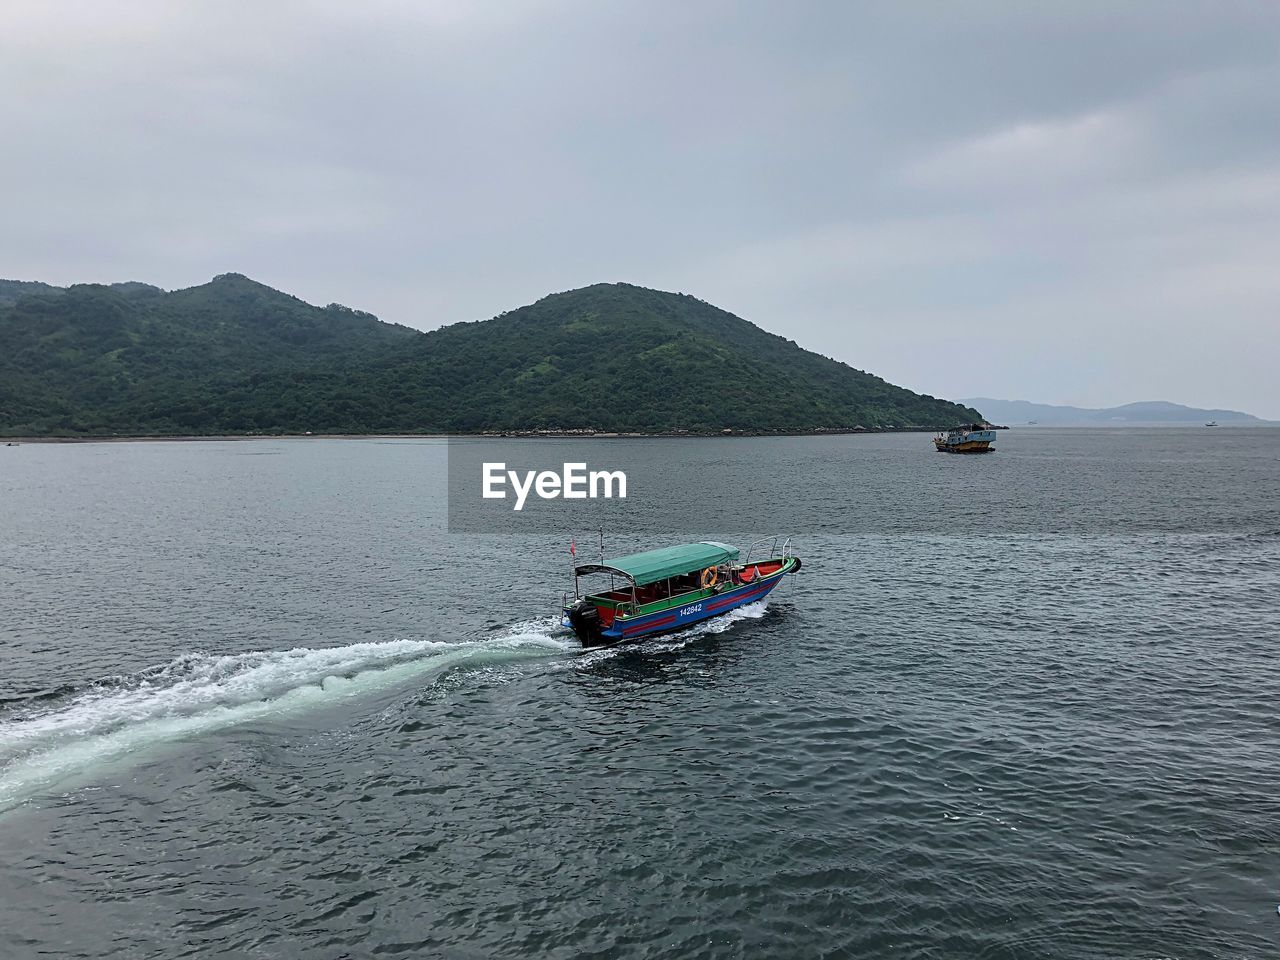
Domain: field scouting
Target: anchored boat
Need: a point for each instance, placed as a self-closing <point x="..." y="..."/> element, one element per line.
<point x="663" y="590"/>
<point x="970" y="438"/>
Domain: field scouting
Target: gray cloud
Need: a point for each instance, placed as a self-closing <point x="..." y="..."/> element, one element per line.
<point x="1069" y="203"/>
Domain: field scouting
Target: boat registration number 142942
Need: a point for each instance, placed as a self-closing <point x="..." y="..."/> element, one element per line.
<point x="685" y="611"/>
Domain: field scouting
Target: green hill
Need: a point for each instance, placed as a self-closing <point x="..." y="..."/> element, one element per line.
<point x="234" y="356"/>
<point x="11" y="291"/>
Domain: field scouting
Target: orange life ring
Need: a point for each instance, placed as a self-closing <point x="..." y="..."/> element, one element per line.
<point x="710" y="577"/>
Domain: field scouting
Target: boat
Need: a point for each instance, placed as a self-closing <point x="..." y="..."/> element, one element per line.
<point x="968" y="438"/>
<point x="1212" y="423"/>
<point x="662" y="590"/>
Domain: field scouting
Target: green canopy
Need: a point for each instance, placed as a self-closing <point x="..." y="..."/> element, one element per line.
<point x="654" y="565"/>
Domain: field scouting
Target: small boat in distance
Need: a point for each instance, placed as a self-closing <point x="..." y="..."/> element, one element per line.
<point x="968" y="438"/>
<point x="1212" y="423"/>
<point x="667" y="589"/>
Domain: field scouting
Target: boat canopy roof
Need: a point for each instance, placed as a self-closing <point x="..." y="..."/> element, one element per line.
<point x="654" y="565"/>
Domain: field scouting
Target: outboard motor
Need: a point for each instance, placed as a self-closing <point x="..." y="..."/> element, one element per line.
<point x="585" y="620"/>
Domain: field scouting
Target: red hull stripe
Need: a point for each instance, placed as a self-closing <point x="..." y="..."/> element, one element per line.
<point x="650" y="625"/>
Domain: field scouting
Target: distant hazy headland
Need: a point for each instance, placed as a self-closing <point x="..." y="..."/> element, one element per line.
<point x="233" y="356"/>
<point x="1015" y="412"/>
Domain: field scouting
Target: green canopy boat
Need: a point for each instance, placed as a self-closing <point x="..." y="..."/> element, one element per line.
<point x="672" y="587"/>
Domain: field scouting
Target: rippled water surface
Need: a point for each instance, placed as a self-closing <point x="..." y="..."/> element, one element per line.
<point x="257" y="702"/>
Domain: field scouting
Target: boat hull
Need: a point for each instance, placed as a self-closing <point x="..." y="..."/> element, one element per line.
<point x="677" y="618"/>
<point x="967" y="446"/>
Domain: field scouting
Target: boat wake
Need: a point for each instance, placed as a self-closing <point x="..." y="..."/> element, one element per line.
<point x="198" y="694"/>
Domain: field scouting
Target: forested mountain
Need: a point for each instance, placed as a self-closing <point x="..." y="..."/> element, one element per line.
<point x="235" y="356"/>
<point x="624" y="358"/>
<point x="230" y="356"/>
<point x="11" y="291"/>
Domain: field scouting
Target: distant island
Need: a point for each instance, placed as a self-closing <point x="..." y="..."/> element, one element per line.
<point x="1016" y="412"/>
<point x="235" y="357"/>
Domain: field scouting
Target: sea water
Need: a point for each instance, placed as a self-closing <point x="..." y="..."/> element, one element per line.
<point x="257" y="701"/>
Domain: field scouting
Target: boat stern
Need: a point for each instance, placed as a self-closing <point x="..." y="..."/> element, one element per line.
<point x="585" y="621"/>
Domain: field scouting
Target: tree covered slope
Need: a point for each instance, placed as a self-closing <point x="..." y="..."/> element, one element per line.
<point x="234" y="356"/>
<point x="624" y="358"/>
<point x="130" y="358"/>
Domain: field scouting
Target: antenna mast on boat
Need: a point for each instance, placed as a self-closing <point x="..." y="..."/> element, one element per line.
<point x="602" y="546"/>
<point x="573" y="564"/>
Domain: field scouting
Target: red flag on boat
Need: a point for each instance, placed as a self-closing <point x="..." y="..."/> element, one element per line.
<point x="573" y="550"/>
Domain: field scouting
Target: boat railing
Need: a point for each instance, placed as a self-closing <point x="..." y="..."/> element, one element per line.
<point x="773" y="548"/>
<point x="628" y="608"/>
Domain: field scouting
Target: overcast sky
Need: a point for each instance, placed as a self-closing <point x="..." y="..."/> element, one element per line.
<point x="1067" y="203"/>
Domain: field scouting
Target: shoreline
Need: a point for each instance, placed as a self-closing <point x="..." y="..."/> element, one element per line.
<point x="504" y="435"/>
<point x="589" y="435"/>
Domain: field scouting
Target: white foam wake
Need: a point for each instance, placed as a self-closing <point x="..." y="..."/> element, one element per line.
<point x="197" y="694"/>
